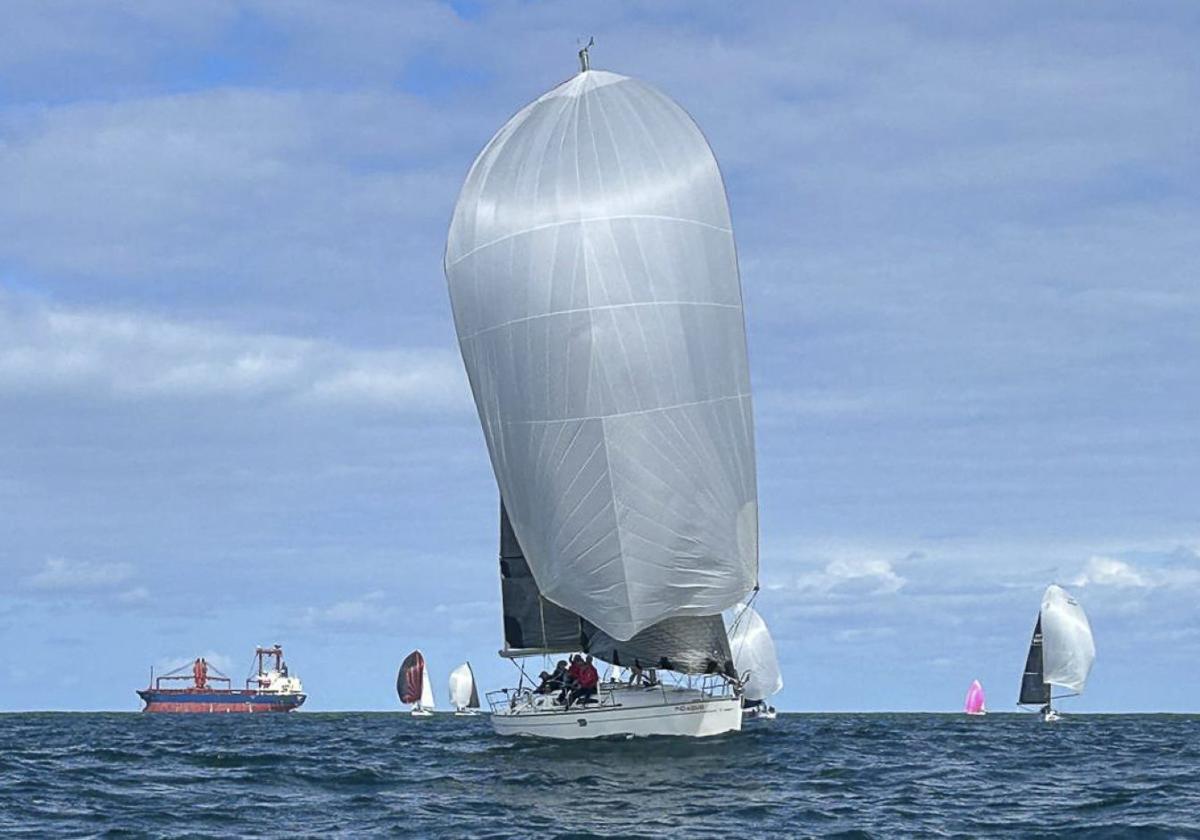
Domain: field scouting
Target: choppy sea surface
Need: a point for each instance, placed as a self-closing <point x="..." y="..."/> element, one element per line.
<point x="358" y="775"/>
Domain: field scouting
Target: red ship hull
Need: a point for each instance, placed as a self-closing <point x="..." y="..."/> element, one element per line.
<point x="216" y="701"/>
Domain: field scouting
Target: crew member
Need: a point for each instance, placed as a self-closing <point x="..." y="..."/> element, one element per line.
<point x="585" y="682"/>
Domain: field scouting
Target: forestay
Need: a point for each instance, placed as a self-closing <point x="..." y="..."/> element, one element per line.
<point x="595" y="290"/>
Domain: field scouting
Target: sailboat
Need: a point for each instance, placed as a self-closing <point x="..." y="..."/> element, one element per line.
<point x="975" y="704"/>
<point x="464" y="696"/>
<point x="412" y="684"/>
<point x="594" y="282"/>
<point x="1061" y="652"/>
<point x="756" y="662"/>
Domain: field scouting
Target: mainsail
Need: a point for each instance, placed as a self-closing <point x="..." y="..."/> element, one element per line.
<point x="426" y="701"/>
<point x="463" y="693"/>
<point x="534" y="625"/>
<point x="595" y="290"/>
<point x="754" y="654"/>
<point x="531" y="623"/>
<point x="1034" y="689"/>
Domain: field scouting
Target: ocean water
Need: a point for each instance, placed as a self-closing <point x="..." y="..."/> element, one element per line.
<point x="359" y="775"/>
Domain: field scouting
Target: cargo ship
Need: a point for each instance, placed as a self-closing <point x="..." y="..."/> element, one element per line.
<point x="270" y="689"/>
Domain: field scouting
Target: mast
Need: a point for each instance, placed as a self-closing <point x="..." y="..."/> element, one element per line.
<point x="585" y="63"/>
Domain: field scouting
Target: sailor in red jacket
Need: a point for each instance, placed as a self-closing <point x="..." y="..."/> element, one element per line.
<point x="585" y="682"/>
<point x="570" y="680"/>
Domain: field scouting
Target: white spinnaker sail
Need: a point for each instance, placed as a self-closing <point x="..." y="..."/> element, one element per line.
<point x="754" y="652"/>
<point x="595" y="289"/>
<point x="462" y="688"/>
<point x="426" y="691"/>
<point x="1068" y="649"/>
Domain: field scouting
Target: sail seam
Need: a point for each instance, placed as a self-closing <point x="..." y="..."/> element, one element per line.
<point x="581" y="309"/>
<point x="603" y="417"/>
<point x="586" y="220"/>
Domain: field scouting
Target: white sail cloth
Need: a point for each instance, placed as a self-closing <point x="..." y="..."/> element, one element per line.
<point x="595" y="289"/>
<point x="426" y="701"/>
<point x="754" y="654"/>
<point x="1068" y="650"/>
<point x="463" y="694"/>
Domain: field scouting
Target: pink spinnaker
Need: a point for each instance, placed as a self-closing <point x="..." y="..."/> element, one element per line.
<point x="975" y="699"/>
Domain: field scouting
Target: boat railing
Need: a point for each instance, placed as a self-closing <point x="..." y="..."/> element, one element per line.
<point x="716" y="685"/>
<point x="504" y="699"/>
<point x="508" y="699"/>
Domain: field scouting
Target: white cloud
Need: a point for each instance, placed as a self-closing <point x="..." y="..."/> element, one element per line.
<point x="79" y="576"/>
<point x="849" y="576"/>
<point x="1179" y="570"/>
<point x="135" y="596"/>
<point x="474" y="619"/>
<point x="863" y="635"/>
<point x="136" y="356"/>
<point x="1108" y="571"/>
<point x="371" y="611"/>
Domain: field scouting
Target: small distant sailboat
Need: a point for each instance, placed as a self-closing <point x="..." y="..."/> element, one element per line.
<point x="975" y="704"/>
<point x="464" y="696"/>
<point x="412" y="684"/>
<point x="1061" y="652"/>
<point x="757" y="664"/>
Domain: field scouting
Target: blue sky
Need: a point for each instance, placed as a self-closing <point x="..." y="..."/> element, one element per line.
<point x="232" y="410"/>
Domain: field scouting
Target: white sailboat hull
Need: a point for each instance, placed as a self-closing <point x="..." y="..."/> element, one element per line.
<point x="419" y="712"/>
<point x="633" y="712"/>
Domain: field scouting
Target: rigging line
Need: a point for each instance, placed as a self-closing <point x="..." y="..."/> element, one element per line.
<point x="738" y="618"/>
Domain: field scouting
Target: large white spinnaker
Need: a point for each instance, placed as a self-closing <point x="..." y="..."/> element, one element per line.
<point x="463" y="693"/>
<point x="595" y="290"/>
<point x="754" y="654"/>
<point x="1068" y="649"/>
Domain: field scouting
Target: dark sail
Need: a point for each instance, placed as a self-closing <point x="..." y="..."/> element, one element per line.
<point x="533" y="625"/>
<point x="408" y="680"/>
<point x="1034" y="689"/>
<point x="689" y="645"/>
<point x="474" y="702"/>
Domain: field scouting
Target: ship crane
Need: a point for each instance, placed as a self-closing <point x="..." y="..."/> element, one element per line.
<point x="198" y="671"/>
